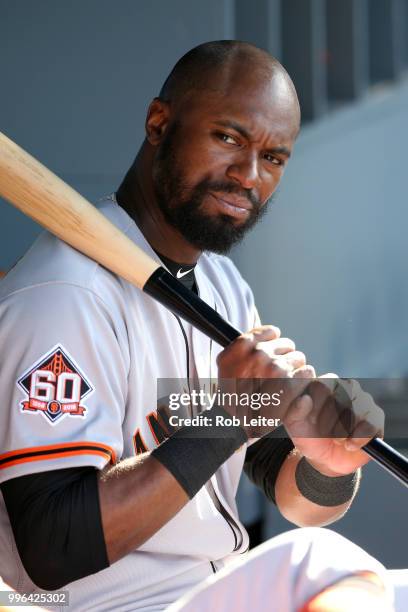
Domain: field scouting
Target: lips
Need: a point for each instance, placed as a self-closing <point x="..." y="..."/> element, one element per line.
<point x="233" y="201"/>
<point x="232" y="205"/>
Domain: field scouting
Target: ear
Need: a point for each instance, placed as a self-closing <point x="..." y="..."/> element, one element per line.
<point x="157" y="119"/>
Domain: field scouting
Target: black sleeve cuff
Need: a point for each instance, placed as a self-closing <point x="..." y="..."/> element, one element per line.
<point x="193" y="454"/>
<point x="263" y="461"/>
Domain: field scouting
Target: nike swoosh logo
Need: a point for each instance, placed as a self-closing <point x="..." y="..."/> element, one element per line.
<point x="180" y="274"/>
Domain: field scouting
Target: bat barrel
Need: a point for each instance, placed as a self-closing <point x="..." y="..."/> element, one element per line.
<point x="43" y="196"/>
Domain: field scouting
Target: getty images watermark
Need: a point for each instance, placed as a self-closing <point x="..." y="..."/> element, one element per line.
<point x="206" y="400"/>
<point x="342" y="407"/>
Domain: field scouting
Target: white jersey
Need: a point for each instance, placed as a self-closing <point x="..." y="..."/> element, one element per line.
<point x="81" y="351"/>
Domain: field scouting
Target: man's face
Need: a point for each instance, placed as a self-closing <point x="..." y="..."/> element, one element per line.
<point x="220" y="161"/>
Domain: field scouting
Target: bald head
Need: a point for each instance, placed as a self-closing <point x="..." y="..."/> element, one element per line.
<point x="227" y="66"/>
<point x="218" y="139"/>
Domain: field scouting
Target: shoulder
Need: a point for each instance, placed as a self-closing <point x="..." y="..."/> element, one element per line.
<point x="50" y="262"/>
<point x="225" y="276"/>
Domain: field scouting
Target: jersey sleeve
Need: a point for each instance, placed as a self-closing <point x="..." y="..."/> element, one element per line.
<point x="63" y="380"/>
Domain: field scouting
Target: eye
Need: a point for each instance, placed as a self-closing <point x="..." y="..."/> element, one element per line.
<point x="276" y="161"/>
<point x="226" y="138"/>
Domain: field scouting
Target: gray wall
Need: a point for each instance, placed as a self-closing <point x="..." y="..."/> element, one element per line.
<point x="327" y="264"/>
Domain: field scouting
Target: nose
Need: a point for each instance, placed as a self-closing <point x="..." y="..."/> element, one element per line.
<point x="245" y="171"/>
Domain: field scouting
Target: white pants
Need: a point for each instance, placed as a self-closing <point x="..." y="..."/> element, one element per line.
<point x="281" y="574"/>
<point x="399" y="579"/>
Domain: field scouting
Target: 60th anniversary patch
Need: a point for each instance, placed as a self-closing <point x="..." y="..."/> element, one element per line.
<point x="55" y="386"/>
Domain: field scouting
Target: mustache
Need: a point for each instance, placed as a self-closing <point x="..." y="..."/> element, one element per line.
<point x="224" y="187"/>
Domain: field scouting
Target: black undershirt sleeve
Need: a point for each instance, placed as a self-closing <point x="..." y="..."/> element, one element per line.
<point x="264" y="459"/>
<point x="56" y="521"/>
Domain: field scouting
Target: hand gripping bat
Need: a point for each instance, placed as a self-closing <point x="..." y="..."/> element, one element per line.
<point x="44" y="197"/>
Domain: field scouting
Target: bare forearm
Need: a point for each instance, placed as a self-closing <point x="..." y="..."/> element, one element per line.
<point x="137" y="497"/>
<point x="294" y="506"/>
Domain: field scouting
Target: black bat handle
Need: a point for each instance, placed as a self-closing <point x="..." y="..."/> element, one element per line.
<point x="166" y="289"/>
<point x="390" y="459"/>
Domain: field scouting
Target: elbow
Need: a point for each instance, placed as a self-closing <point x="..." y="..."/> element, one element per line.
<point x="309" y="522"/>
<point x="49" y="563"/>
<point x="299" y="520"/>
<point x="49" y="574"/>
<point x="319" y="516"/>
<point x="52" y="564"/>
<point x="48" y="583"/>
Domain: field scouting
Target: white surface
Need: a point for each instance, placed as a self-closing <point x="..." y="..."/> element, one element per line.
<point x="281" y="574"/>
<point x="399" y="579"/>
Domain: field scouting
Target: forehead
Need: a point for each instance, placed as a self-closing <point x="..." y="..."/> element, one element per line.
<point x="267" y="107"/>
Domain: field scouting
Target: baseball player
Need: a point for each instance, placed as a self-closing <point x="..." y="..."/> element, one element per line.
<point x="101" y="492"/>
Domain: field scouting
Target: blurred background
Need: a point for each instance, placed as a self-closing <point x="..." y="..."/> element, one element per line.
<point x="328" y="264"/>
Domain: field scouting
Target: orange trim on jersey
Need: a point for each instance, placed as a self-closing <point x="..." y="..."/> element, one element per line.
<point x="65" y="449"/>
<point x="154" y="415"/>
<point x="138" y="432"/>
<point x="160" y="423"/>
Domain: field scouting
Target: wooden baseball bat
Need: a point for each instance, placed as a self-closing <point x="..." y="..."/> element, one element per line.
<point x="47" y="199"/>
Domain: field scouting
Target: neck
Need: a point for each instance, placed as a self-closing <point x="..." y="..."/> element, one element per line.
<point x="136" y="196"/>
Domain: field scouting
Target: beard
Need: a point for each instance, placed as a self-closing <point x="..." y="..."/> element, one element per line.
<point x="181" y="205"/>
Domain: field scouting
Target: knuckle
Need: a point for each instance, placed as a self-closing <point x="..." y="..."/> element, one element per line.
<point x="305" y="371"/>
<point x="271" y="330"/>
<point x="299" y="356"/>
<point x="278" y="368"/>
<point x="286" y="342"/>
<point x="260" y="355"/>
<point x="246" y="339"/>
<point x="327" y="384"/>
